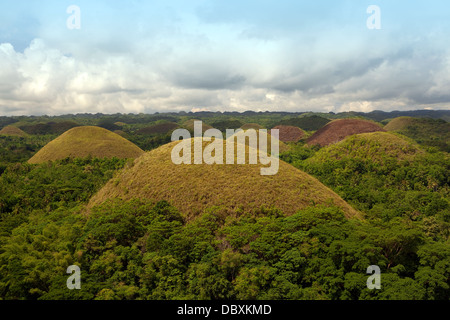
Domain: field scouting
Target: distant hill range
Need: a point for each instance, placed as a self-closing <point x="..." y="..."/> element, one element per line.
<point x="382" y="115"/>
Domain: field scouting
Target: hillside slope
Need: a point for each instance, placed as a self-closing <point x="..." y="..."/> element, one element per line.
<point x="86" y="141"/>
<point x="12" y="131"/>
<point x="426" y="131"/>
<point x="376" y="146"/>
<point x="193" y="188"/>
<point x="337" y="130"/>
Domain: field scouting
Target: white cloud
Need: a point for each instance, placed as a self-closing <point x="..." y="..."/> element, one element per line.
<point x="43" y="80"/>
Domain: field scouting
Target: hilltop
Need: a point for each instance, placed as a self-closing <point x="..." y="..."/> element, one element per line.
<point x="189" y="125"/>
<point x="337" y="130"/>
<point x="426" y="131"/>
<point x="87" y="141"/>
<point x="374" y="146"/>
<point x="12" y="131"/>
<point x="193" y="188"/>
<point x="268" y="137"/>
<point x="51" y="127"/>
<point x="289" y="133"/>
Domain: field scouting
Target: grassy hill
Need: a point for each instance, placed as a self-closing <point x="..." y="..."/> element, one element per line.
<point x="193" y="188"/>
<point x="376" y="146"/>
<point x="49" y="127"/>
<point x="281" y="145"/>
<point x="426" y="131"/>
<point x="12" y="131"/>
<point x="337" y="130"/>
<point x="86" y="141"/>
<point x="290" y="133"/>
<point x="189" y="125"/>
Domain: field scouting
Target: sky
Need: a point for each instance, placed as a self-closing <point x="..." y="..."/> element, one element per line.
<point x="223" y="55"/>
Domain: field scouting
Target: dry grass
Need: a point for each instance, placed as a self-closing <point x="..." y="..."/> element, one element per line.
<point x="87" y="141"/>
<point x="376" y="146"/>
<point x="13" y="131"/>
<point x="281" y="145"/>
<point x="194" y="187"/>
<point x="399" y="123"/>
<point x="290" y="133"/>
<point x="189" y="125"/>
<point x="337" y="130"/>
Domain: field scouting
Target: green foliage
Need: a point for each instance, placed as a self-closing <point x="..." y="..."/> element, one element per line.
<point x="385" y="187"/>
<point x="25" y="187"/>
<point x="145" y="250"/>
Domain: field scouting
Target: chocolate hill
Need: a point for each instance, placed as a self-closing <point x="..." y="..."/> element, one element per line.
<point x="337" y="130"/>
<point x="81" y="142"/>
<point x="375" y="146"/>
<point x="289" y="133"/>
<point x="194" y="187"/>
<point x="12" y="131"/>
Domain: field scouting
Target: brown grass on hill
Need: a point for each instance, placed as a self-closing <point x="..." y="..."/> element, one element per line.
<point x="290" y="133"/>
<point x="281" y="145"/>
<point x="81" y="142"/>
<point x="13" y="131"/>
<point x="189" y="125"/>
<point x="377" y="147"/>
<point x="194" y="187"/>
<point x="398" y="123"/>
<point x="337" y="130"/>
<point x="121" y="133"/>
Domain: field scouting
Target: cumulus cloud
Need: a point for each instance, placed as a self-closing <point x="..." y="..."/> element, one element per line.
<point x="222" y="57"/>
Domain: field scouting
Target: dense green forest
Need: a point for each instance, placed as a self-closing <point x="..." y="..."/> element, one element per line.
<point x="140" y="249"/>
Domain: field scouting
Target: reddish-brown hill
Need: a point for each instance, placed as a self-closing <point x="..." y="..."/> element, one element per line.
<point x="337" y="130"/>
<point x="289" y="133"/>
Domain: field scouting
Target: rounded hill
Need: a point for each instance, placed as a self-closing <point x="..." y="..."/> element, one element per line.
<point x="193" y="188"/>
<point x="290" y="133"/>
<point x="189" y="125"/>
<point x="399" y="123"/>
<point x="425" y="131"/>
<point x="375" y="146"/>
<point x="282" y="147"/>
<point x="337" y="130"/>
<point x="87" y="141"/>
<point x="12" y="131"/>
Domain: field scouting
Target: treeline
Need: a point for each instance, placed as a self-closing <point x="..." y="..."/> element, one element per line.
<point x="144" y="250"/>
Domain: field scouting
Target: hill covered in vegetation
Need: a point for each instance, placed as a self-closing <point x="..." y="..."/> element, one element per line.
<point x="12" y="131"/>
<point x="86" y="141"/>
<point x="282" y="239"/>
<point x="426" y="131"/>
<point x="193" y="188"/>
<point x="289" y="133"/>
<point x="337" y="130"/>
